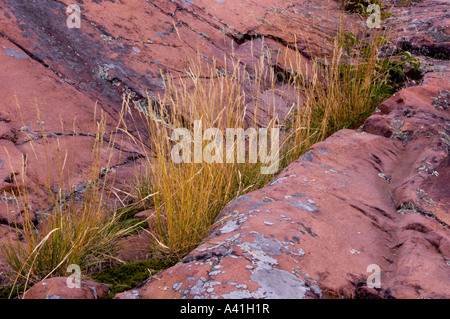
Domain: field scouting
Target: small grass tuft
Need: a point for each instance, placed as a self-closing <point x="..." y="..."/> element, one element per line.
<point x="81" y="231"/>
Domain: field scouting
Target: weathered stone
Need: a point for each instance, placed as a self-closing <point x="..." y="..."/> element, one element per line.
<point x="57" y="288"/>
<point x="422" y="27"/>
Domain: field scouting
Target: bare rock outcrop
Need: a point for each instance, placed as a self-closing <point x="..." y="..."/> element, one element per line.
<point x="421" y="27"/>
<point x="57" y="288"/>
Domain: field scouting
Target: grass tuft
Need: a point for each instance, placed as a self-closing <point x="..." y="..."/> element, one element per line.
<point x="337" y="91"/>
<point x="81" y="231"/>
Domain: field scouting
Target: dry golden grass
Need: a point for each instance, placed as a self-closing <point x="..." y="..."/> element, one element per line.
<point x="188" y="196"/>
<point x="71" y="231"/>
<point x="339" y="91"/>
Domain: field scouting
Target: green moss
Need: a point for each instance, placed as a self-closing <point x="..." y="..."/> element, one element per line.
<point x="121" y="278"/>
<point x="127" y="219"/>
<point x="128" y="276"/>
<point x="360" y="7"/>
<point x="6" y="291"/>
<point x="127" y="213"/>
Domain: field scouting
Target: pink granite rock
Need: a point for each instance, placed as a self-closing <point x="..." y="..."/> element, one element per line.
<point x="57" y="288"/>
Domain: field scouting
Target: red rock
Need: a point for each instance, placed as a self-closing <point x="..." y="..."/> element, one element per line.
<point x="7" y="235"/>
<point x="422" y="27"/>
<point x="135" y="247"/>
<point x="359" y="198"/>
<point x="45" y="160"/>
<point x="11" y="163"/>
<point x="7" y="132"/>
<point x="57" y="288"/>
<point x="63" y="109"/>
<point x="122" y="47"/>
<point x="145" y="214"/>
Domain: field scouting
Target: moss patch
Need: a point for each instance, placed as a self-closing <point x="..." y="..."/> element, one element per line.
<point x="6" y="291"/>
<point x="128" y="276"/>
<point x="127" y="219"/>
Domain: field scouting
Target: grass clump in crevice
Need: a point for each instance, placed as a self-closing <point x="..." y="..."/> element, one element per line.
<point x="337" y="91"/>
<point x="344" y="87"/>
<point x="187" y="197"/>
<point x="80" y="230"/>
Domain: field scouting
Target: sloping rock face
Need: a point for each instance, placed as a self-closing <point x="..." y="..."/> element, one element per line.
<point x="376" y="197"/>
<point x="57" y="288"/>
<point x="123" y="46"/>
<point x="421" y="27"/>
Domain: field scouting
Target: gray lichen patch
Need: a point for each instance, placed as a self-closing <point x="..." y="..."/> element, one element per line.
<point x="274" y="284"/>
<point x="18" y="55"/>
<point x="133" y="294"/>
<point x="427" y="168"/>
<point x="316" y="290"/>
<point x="261" y="250"/>
<point x="270" y="246"/>
<point x="407" y="207"/>
<point x="308" y="157"/>
<point x="243" y="202"/>
<point x="445" y="138"/>
<point x="422" y="197"/>
<point x="278" y="284"/>
<point x="441" y="102"/>
<point x="396" y="126"/>
<point x="401" y="135"/>
<point x="232" y="225"/>
<point x="176" y="286"/>
<point x="9" y="200"/>
<point x="385" y="177"/>
<point x="281" y="179"/>
<point x="103" y="72"/>
<point x="303" y="205"/>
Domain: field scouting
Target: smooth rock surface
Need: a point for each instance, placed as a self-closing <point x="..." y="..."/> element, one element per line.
<point x="57" y="288"/>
